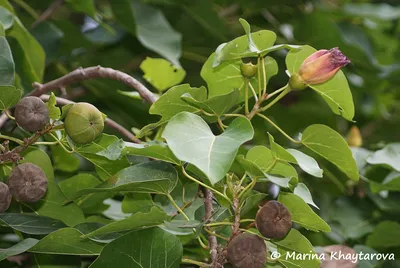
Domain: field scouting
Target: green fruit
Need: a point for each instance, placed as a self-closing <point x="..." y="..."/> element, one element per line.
<point x="31" y="114"/>
<point x="27" y="183"/>
<point x="83" y="123"/>
<point x="247" y="250"/>
<point x="5" y="197"/>
<point x="248" y="69"/>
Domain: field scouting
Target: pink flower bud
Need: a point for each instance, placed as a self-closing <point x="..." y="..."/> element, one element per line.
<point x="319" y="67"/>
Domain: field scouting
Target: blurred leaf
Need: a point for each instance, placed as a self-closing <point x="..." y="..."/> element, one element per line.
<point x="191" y="140"/>
<point x="55" y="261"/>
<point x="379" y="11"/>
<point x="385" y="235"/>
<point x="139" y="220"/>
<point x="49" y="36"/>
<point x="302" y="214"/>
<point x="7" y="67"/>
<point x="31" y="224"/>
<point x="19" y="248"/>
<point x="161" y="74"/>
<point x="330" y="145"/>
<point x="6" y="18"/>
<point x="144" y="248"/>
<point x="85" y="6"/>
<point x="389" y="155"/>
<point x="336" y="91"/>
<point x="9" y="96"/>
<point x="66" y="241"/>
<point x="390" y="183"/>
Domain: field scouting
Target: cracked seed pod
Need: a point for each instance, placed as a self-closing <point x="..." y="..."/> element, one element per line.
<point x="27" y="183"/>
<point x="273" y="220"/>
<point x="83" y="123"/>
<point x="5" y="197"/>
<point x="247" y="250"/>
<point x="31" y="114"/>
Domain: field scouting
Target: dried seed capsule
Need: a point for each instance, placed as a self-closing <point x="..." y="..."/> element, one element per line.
<point x="5" y="197"/>
<point x="247" y="250"/>
<point x="27" y="183"/>
<point x="31" y="114"/>
<point x="83" y="123"/>
<point x="273" y="220"/>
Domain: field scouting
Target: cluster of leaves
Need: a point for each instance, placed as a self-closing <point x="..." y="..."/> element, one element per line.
<point x="106" y="203"/>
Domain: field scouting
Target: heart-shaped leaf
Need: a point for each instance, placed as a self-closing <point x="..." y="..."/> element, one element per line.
<point x="191" y="140"/>
<point x="329" y="144"/>
<point x="336" y="91"/>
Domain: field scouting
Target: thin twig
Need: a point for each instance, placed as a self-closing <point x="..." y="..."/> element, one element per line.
<point x="48" y="12"/>
<point x="109" y="122"/>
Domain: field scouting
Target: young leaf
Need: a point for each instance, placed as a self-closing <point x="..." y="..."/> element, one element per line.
<point x="144" y="248"/>
<point x="302" y="214"/>
<point x="54" y="111"/>
<point x="336" y="92"/>
<point x="191" y="140"/>
<point x="161" y="74"/>
<point x="329" y="144"/>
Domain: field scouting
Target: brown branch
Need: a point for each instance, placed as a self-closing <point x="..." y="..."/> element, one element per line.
<point x="217" y="258"/>
<point x="48" y="12"/>
<point x="111" y="123"/>
<point x="81" y="74"/>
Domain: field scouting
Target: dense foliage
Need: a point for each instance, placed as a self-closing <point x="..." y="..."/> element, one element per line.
<point x="251" y="148"/>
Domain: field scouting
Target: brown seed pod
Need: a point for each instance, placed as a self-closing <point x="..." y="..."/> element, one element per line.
<point x="247" y="250"/>
<point x="5" y="197"/>
<point x="31" y="114"/>
<point x="83" y="123"/>
<point x="273" y="220"/>
<point x="27" y="183"/>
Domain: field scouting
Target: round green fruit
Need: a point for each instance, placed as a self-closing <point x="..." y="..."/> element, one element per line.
<point x="31" y="114"/>
<point x="27" y="183"/>
<point x="248" y="69"/>
<point x="83" y="123"/>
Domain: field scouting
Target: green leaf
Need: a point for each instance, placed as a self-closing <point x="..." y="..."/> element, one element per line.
<point x="227" y="76"/>
<point x="30" y="55"/>
<point x="55" y="261"/>
<point x="64" y="161"/>
<point x="306" y="163"/>
<point x="71" y="186"/>
<point x="302" y="214"/>
<point x="302" y="191"/>
<point x="19" y="248"/>
<point x="264" y="159"/>
<point x="6" y="18"/>
<point x="149" y="177"/>
<point x="67" y="241"/>
<point x="9" y="96"/>
<point x="84" y="6"/>
<point x="137" y="202"/>
<point x="191" y="140"/>
<point x="295" y="241"/>
<point x="145" y="248"/>
<point x="153" y="149"/>
<point x="53" y="203"/>
<point x="218" y="105"/>
<point x="390" y="183"/>
<point x="7" y="67"/>
<point x="161" y="74"/>
<point x="279" y="152"/>
<point x="385" y="235"/>
<point x="89" y="227"/>
<point x="105" y="167"/>
<point x="139" y="220"/>
<point x="389" y="155"/>
<point x="54" y="111"/>
<point x="31" y="224"/>
<point x="329" y="144"/>
<point x="336" y="91"/>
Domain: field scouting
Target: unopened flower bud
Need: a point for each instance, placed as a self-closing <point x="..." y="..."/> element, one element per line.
<point x="354" y="137"/>
<point x="319" y="68"/>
